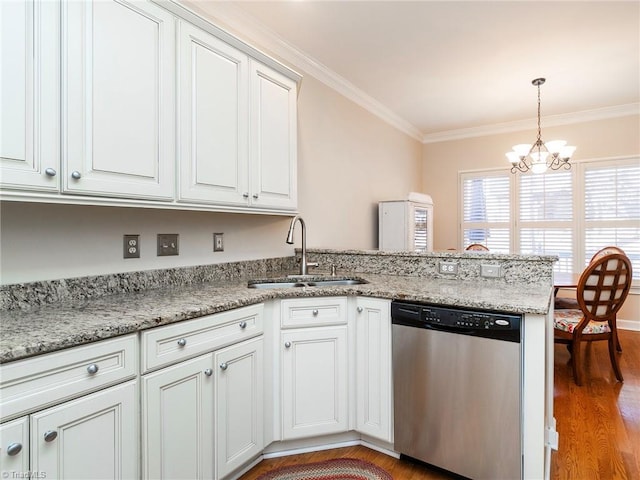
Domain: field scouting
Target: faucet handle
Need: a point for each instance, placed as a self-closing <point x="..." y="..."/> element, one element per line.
<point x="312" y="264"/>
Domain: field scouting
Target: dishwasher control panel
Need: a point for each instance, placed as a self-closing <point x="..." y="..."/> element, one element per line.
<point x="470" y="322"/>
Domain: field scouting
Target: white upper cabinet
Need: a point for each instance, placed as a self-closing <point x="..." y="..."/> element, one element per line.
<point x="135" y="102"/>
<point x="273" y="139"/>
<point x="118" y="99"/>
<point x="29" y="118"/>
<point x="214" y="118"/>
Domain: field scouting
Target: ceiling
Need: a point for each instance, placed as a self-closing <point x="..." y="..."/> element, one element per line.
<point x="447" y="68"/>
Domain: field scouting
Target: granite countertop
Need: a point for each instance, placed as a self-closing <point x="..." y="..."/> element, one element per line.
<point x="53" y="327"/>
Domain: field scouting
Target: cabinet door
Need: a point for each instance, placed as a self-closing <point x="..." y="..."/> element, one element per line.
<point x="213" y="111"/>
<point x="374" y="394"/>
<point x="30" y="89"/>
<point x="239" y="397"/>
<point x="314" y="382"/>
<point x="273" y="155"/>
<point x="118" y="99"/>
<point x="177" y="421"/>
<point x="95" y="436"/>
<point x="14" y="446"/>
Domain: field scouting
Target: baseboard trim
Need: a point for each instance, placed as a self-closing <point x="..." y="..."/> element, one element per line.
<point x="628" y="325"/>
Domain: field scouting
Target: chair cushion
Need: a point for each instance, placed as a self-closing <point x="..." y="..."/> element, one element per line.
<point x="567" y="320"/>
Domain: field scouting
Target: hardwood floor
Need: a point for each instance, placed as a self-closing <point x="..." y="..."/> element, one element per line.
<point x="598" y="423"/>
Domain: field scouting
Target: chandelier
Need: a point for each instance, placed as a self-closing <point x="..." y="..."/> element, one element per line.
<point x="540" y="156"/>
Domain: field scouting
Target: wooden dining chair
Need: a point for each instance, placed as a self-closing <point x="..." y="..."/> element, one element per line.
<point x="561" y="303"/>
<point x="602" y="289"/>
<point x="478" y="247"/>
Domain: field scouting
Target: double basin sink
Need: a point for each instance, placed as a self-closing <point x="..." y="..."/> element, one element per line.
<point x="299" y="282"/>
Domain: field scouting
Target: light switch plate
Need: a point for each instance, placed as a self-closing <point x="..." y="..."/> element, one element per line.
<point x="218" y="243"/>
<point x="167" y="244"/>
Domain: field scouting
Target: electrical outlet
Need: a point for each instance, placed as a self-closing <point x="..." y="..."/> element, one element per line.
<point x="218" y="243"/>
<point x="167" y="244"/>
<point x="490" y="271"/>
<point x="449" y="268"/>
<point x="131" y="246"/>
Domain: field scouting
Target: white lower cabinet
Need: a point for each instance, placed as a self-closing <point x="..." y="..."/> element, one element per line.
<point x="95" y="436"/>
<point x="315" y="367"/>
<point x="239" y="400"/>
<point x="177" y="421"/>
<point x="14" y="446"/>
<point x="374" y="388"/>
<point x="72" y="414"/>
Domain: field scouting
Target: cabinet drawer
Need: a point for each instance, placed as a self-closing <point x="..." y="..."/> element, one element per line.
<point x="27" y="385"/>
<point x="165" y="345"/>
<point x="313" y="312"/>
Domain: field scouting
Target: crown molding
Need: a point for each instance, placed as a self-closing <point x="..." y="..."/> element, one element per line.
<point x="549" y="121"/>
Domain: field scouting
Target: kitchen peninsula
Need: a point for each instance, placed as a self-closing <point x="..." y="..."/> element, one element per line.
<point x="45" y="319"/>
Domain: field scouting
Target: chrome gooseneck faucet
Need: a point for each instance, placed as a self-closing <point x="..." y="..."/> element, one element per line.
<point x="304" y="265"/>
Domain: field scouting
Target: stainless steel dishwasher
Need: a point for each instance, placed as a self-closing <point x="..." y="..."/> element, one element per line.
<point x="457" y="384"/>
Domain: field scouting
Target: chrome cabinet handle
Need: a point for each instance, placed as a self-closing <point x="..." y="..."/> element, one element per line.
<point x="223" y="366"/>
<point x="359" y="309"/>
<point x="50" y="435"/>
<point x="243" y="324"/>
<point x="182" y="342"/>
<point x="315" y="313"/>
<point x="52" y="173"/>
<point x="76" y="174"/>
<point x="14" y="449"/>
<point x="208" y="372"/>
<point x="92" y="369"/>
<point x="287" y="344"/>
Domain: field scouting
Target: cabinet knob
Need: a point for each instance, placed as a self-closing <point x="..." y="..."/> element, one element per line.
<point x="208" y="372"/>
<point x="255" y="195"/>
<point x="76" y="174"/>
<point x="14" y="449"/>
<point x="315" y="313"/>
<point x="52" y="173"/>
<point x="359" y="309"/>
<point x="223" y="366"/>
<point x="50" y="435"/>
<point x="243" y="324"/>
<point x="92" y="369"/>
<point x="245" y="194"/>
<point x="287" y="344"/>
<point x="182" y="342"/>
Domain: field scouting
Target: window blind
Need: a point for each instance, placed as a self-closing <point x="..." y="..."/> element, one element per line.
<point x="545" y="211"/>
<point x="486" y="211"/>
<point x="612" y="210"/>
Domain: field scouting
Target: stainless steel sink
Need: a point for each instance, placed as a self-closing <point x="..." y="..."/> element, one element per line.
<point x="278" y="283"/>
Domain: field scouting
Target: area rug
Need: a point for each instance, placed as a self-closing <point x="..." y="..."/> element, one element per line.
<point x="337" y="469"/>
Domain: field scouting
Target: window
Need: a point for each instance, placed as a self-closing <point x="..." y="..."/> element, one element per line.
<point x="546" y="216"/>
<point x="486" y="211"/>
<point x="571" y="214"/>
<point x="612" y="209"/>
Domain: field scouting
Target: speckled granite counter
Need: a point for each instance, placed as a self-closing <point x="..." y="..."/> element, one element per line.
<point x="47" y="316"/>
<point x="54" y="327"/>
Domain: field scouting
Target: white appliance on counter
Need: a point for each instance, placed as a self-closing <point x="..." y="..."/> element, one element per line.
<point x="406" y="224"/>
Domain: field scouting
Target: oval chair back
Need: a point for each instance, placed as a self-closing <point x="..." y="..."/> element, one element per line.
<point x="478" y="247"/>
<point x="607" y="251"/>
<point x="602" y="289"/>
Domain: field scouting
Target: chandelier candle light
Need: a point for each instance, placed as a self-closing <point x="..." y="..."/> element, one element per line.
<point x="540" y="156"/>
